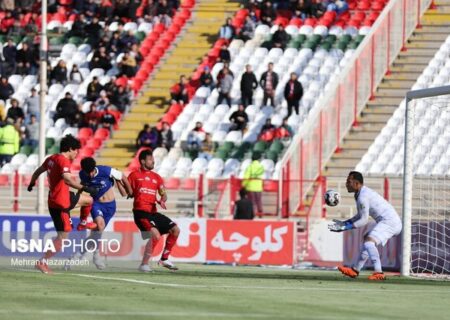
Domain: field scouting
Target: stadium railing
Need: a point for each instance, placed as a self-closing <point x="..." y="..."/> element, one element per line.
<point x="326" y="126"/>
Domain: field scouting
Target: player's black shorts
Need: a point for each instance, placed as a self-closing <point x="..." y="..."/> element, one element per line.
<point x="61" y="217"/>
<point x="145" y="221"/>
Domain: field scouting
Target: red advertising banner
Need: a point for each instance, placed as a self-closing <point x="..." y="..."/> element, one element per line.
<point x="250" y="242"/>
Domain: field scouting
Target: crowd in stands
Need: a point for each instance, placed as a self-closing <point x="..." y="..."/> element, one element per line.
<point x="99" y="26"/>
<point x="155" y="137"/>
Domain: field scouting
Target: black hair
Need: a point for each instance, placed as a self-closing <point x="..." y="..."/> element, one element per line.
<point x="144" y="154"/>
<point x="357" y="176"/>
<point x="69" y="142"/>
<point x="88" y="164"/>
<point x="243" y="193"/>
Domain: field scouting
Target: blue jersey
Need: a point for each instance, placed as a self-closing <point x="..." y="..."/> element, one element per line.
<point x="102" y="180"/>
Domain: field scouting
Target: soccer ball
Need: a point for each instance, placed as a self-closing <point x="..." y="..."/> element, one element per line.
<point x="332" y="198"/>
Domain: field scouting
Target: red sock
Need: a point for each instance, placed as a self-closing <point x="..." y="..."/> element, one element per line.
<point x="170" y="242"/>
<point x="57" y="242"/>
<point x="84" y="212"/>
<point x="149" y="248"/>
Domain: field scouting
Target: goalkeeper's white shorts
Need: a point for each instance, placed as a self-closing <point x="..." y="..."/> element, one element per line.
<point x="383" y="231"/>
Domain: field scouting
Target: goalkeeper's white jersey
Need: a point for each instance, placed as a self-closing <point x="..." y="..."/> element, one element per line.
<point x="370" y="203"/>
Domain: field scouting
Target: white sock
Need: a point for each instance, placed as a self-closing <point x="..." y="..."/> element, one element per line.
<point x="364" y="255"/>
<point x="374" y="255"/>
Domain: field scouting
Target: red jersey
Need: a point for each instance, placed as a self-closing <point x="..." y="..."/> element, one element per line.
<point x="145" y="185"/>
<point x="58" y="195"/>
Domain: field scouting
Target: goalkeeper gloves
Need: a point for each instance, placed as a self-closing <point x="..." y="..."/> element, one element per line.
<point x="339" y="226"/>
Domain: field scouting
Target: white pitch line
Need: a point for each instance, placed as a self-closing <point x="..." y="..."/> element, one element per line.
<point x="298" y="288"/>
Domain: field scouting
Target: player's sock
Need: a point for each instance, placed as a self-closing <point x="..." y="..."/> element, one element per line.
<point x="170" y="242"/>
<point x="149" y="248"/>
<point x="374" y="255"/>
<point x="364" y="255"/>
<point x="84" y="212"/>
<point x="57" y="243"/>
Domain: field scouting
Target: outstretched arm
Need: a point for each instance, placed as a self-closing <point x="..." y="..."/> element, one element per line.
<point x="35" y="176"/>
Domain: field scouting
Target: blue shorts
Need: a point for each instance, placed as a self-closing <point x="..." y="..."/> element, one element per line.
<point x="103" y="209"/>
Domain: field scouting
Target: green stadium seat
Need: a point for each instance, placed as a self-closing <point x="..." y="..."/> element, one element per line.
<point x="260" y="146"/>
<point x="49" y="142"/>
<point x="26" y="150"/>
<point x="272" y="155"/>
<point x="54" y="149"/>
<point x="76" y="40"/>
<point x="276" y="146"/>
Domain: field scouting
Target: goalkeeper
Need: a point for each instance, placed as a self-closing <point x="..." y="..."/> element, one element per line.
<point x="388" y="224"/>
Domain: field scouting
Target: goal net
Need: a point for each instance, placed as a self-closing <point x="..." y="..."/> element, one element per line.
<point x="426" y="184"/>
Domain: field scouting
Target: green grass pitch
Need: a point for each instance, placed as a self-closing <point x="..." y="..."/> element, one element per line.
<point x="217" y="292"/>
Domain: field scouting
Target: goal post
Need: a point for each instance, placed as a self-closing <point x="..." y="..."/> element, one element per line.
<point x="431" y="203"/>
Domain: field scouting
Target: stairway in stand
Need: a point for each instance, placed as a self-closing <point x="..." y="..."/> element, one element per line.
<point x="187" y="51"/>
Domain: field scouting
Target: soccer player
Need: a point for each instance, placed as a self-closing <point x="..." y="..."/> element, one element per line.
<point x="388" y="224"/>
<point x="60" y="199"/>
<point x="146" y="184"/>
<point x="103" y="209"/>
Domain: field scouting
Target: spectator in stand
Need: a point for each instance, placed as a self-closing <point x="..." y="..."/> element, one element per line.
<point x="165" y="136"/>
<point x="224" y="54"/>
<point x="78" y="27"/>
<point x="269" y="82"/>
<point x="90" y="9"/>
<point x="196" y="137"/>
<point x="243" y="208"/>
<point x="284" y="131"/>
<point x="91" y="118"/>
<point x="227" y="31"/>
<point x="7" y="22"/>
<point x="102" y="102"/>
<point x="268" y="13"/>
<point x="6" y="89"/>
<point x="9" y="142"/>
<point x="16" y="30"/>
<point x="93" y="32"/>
<point x="179" y="92"/>
<point x="59" y="73"/>
<point x="115" y="46"/>
<point x="134" y="52"/>
<point x="75" y="77"/>
<point x="226" y="65"/>
<point x="164" y="8"/>
<point x="253" y="182"/>
<point x="150" y="10"/>
<point x="127" y="40"/>
<point x="108" y="120"/>
<point x="128" y="65"/>
<point x="268" y="131"/>
<point x="147" y="137"/>
<point x="32" y="104"/>
<point x="93" y="89"/>
<point x="15" y="112"/>
<point x="25" y="60"/>
<point x="280" y="38"/>
<point x="224" y="88"/>
<point x="9" y="56"/>
<point x="248" y="30"/>
<point x="67" y="108"/>
<point x="206" y="79"/>
<point x="303" y="9"/>
<point x="207" y="148"/>
<point x="2" y="113"/>
<point x="248" y="84"/>
<point x="239" y="119"/>
<point x="32" y="132"/>
<point x="120" y="99"/>
<point x="101" y="60"/>
<point x="106" y="10"/>
<point x="293" y="92"/>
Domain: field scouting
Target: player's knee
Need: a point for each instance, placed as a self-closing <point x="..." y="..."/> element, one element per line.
<point x="155" y="234"/>
<point x="100" y="224"/>
<point x="175" y="231"/>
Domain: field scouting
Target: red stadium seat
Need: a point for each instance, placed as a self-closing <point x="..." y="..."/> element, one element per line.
<point x="188" y="184"/>
<point x="4" y="180"/>
<point x="270" y="185"/>
<point x="85" y="133"/>
<point x="102" y="133"/>
<point x="172" y="183"/>
<point x="296" y="22"/>
<point x="86" y="152"/>
<point x="94" y="143"/>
